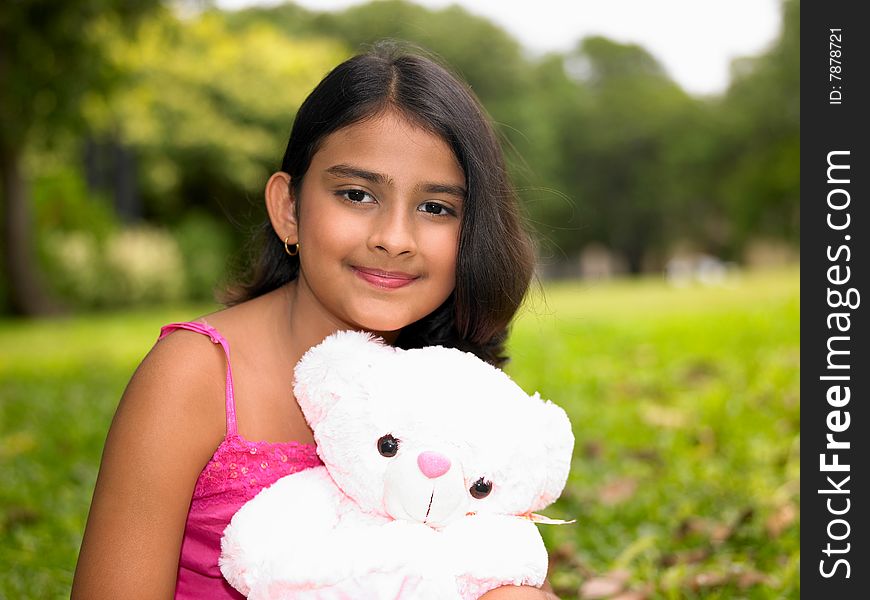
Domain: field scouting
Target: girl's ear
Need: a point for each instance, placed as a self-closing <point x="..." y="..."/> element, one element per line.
<point x="281" y="206"/>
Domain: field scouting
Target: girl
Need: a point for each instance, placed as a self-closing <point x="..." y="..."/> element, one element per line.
<point x="392" y="213"/>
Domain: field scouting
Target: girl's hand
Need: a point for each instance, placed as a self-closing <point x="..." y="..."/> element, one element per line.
<point x="514" y="592"/>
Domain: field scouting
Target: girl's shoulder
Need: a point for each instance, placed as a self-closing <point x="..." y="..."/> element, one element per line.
<point x="182" y="376"/>
<point x="223" y="328"/>
<point x="245" y="343"/>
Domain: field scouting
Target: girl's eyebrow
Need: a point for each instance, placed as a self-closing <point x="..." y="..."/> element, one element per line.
<point x="443" y="188"/>
<point x="345" y="170"/>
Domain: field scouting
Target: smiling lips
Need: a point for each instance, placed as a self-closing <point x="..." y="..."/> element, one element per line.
<point x="385" y="279"/>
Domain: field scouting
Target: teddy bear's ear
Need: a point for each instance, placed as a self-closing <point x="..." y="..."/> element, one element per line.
<point x="560" y="446"/>
<point x="338" y="367"/>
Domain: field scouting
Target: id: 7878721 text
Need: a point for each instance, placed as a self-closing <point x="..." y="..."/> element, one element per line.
<point x="835" y="65"/>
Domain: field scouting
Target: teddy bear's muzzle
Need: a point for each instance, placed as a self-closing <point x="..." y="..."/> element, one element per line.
<point x="426" y="487"/>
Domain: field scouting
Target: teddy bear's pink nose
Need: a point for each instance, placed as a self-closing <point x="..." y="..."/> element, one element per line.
<point x="433" y="464"/>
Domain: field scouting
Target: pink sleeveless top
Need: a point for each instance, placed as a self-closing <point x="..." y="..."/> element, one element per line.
<point x="236" y="472"/>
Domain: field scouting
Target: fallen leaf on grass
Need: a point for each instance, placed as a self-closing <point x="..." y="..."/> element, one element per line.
<point x="691" y="526"/>
<point x="715" y="533"/>
<point x="707" y="580"/>
<point x="750" y="578"/>
<point x="742" y="578"/>
<point x="685" y="558"/>
<point x="661" y="416"/>
<point x="699" y="372"/>
<point x="565" y="556"/>
<point x="720" y="533"/>
<point x="604" y="586"/>
<point x="599" y="587"/>
<point x="617" y="491"/>
<point x="562" y="554"/>
<point x="631" y="595"/>
<point x="16" y="516"/>
<point x="593" y="449"/>
<point x="648" y="455"/>
<point x="566" y="570"/>
<point x="781" y="520"/>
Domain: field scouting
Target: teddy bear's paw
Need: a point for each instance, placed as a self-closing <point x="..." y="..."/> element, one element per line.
<point x="496" y="550"/>
<point x="371" y="586"/>
<point x="282" y="590"/>
<point x="419" y="587"/>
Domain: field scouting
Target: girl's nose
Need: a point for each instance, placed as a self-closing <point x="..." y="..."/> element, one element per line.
<point x="394" y="233"/>
<point x="433" y="464"/>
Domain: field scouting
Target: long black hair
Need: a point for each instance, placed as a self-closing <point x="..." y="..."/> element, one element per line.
<point x="495" y="259"/>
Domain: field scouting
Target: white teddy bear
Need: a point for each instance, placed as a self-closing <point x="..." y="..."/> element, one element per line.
<point x="434" y="464"/>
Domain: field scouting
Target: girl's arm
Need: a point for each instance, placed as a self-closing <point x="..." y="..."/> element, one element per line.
<point x="168" y="424"/>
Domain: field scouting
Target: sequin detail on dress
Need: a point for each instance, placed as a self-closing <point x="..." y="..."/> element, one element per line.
<point x="239" y="468"/>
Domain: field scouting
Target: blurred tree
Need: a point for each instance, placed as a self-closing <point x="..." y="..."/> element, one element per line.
<point x="51" y="57"/>
<point x="209" y="107"/>
<point x="759" y="153"/>
<point x="561" y="106"/>
<point x="615" y="149"/>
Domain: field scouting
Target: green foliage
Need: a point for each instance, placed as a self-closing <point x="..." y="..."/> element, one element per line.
<point x="133" y="265"/>
<point x="759" y="151"/>
<point x="204" y="244"/>
<point x="62" y="202"/>
<point x="75" y="225"/>
<point x="51" y="59"/>
<point x="685" y="405"/>
<point x="91" y="260"/>
<point x="208" y="109"/>
<point x="618" y="144"/>
<point x="51" y="56"/>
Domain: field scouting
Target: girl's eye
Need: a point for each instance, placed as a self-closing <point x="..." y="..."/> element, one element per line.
<point x="434" y="208"/>
<point x="388" y="446"/>
<point x="357" y="196"/>
<point x="481" y="488"/>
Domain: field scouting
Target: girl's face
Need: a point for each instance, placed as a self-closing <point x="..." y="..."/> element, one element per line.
<point x="378" y="224"/>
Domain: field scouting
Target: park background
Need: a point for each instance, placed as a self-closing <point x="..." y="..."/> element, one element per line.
<point x="135" y="138"/>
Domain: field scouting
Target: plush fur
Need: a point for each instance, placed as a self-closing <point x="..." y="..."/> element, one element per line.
<point x="372" y="526"/>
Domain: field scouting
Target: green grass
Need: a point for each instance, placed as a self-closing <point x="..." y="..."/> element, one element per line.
<point x="60" y="381"/>
<point x="685" y="405"/>
<point x="686" y="411"/>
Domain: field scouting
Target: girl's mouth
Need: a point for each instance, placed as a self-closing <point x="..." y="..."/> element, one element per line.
<point x="385" y="279"/>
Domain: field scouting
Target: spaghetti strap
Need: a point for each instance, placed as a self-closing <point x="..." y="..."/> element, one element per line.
<point x="216" y="338"/>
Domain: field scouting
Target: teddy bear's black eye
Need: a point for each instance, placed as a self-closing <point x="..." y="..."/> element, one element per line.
<point x="388" y="446"/>
<point x="481" y="488"/>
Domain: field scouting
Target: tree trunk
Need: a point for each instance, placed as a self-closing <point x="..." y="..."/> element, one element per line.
<point x="24" y="290"/>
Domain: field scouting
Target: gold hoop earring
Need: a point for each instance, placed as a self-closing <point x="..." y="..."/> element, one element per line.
<point x="287" y="247"/>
